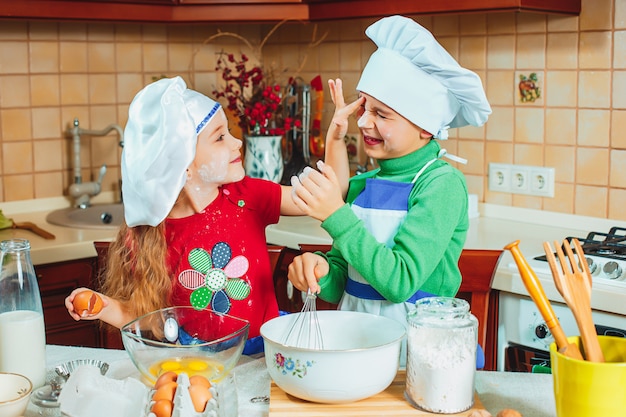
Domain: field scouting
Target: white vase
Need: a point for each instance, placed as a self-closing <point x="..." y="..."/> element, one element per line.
<point x="264" y="157"/>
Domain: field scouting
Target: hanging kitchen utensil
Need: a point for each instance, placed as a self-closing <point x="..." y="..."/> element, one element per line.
<point x="317" y="140"/>
<point x="297" y="104"/>
<point x="575" y="287"/>
<point x="534" y="288"/>
<point x="6" y="223"/>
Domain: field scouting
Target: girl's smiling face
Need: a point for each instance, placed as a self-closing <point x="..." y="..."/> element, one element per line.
<point x="386" y="134"/>
<point x="218" y="154"/>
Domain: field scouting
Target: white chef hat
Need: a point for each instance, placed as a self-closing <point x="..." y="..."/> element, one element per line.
<point x="415" y="76"/>
<point x="164" y="120"/>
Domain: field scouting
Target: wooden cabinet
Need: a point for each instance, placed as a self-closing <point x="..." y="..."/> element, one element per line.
<point x="188" y="11"/>
<point x="56" y="281"/>
<point x="155" y="11"/>
<point x="342" y="9"/>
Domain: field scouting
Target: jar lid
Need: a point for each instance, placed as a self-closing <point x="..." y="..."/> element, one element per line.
<point x="441" y="311"/>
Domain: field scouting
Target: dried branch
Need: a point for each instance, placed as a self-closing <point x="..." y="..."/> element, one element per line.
<point x="257" y="50"/>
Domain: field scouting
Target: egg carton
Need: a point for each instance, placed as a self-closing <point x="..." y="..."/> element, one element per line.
<point x="222" y="404"/>
<point x="88" y="393"/>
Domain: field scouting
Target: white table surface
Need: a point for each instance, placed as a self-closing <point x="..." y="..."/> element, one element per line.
<point x="531" y="394"/>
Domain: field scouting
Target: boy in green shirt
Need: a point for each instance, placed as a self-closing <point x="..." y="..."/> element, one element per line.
<point x="400" y="232"/>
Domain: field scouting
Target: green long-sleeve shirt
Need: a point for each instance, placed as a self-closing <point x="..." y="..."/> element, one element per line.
<point x="428" y="244"/>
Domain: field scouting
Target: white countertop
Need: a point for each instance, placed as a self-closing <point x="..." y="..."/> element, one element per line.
<point x="496" y="227"/>
<point x="530" y="394"/>
<point x="69" y="243"/>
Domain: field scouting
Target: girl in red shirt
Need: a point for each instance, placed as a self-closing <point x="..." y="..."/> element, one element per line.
<point x="194" y="231"/>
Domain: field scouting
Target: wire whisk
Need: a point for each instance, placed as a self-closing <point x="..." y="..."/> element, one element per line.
<point x="305" y="331"/>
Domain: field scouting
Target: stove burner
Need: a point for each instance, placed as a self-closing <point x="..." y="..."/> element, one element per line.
<point x="610" y="245"/>
<point x="604" y="252"/>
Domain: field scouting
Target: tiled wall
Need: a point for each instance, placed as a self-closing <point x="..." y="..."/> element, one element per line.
<point x="51" y="73"/>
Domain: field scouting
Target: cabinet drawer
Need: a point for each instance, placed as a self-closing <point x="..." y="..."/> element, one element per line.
<point x="58" y="276"/>
<point x="57" y="281"/>
<point x="79" y="334"/>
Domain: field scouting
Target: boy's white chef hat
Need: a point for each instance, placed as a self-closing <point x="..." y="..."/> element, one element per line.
<point x="415" y="76"/>
<point x="164" y="120"/>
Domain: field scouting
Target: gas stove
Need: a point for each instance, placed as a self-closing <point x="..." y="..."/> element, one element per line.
<point x="523" y="336"/>
<point x="605" y="254"/>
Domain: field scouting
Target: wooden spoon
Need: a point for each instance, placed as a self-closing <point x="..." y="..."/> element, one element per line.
<point x="575" y="287"/>
<point x="535" y="289"/>
<point x="33" y="228"/>
<point x="6" y="223"/>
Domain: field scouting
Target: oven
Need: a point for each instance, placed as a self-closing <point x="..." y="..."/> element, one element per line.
<point x="523" y="337"/>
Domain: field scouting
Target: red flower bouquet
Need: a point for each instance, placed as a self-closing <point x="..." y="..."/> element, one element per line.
<point x="250" y="96"/>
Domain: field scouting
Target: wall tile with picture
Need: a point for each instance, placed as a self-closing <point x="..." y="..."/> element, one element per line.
<point x="529" y="87"/>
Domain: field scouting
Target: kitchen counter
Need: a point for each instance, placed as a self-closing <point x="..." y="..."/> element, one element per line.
<point x="531" y="394"/>
<point x="493" y="229"/>
<point x="68" y="244"/>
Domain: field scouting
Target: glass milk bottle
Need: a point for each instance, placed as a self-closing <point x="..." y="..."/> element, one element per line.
<point x="22" y="332"/>
<point x="441" y="355"/>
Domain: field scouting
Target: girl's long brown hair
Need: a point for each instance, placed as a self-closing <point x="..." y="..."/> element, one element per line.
<point x="136" y="272"/>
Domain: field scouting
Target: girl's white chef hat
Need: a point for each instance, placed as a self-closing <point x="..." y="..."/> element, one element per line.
<point x="415" y="76"/>
<point x="164" y="120"/>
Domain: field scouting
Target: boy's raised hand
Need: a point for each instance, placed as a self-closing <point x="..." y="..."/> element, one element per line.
<point x="339" y="124"/>
<point x="336" y="154"/>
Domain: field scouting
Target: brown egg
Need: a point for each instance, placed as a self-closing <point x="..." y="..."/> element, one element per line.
<point x="87" y="302"/>
<point x="199" y="380"/>
<point x="169" y="376"/>
<point x="200" y="396"/>
<point x="165" y="391"/>
<point x="162" y="408"/>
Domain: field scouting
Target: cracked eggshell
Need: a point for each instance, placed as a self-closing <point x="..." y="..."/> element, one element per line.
<point x="87" y="303"/>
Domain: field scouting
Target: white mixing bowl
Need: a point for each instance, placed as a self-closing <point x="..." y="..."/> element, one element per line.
<point x="360" y="357"/>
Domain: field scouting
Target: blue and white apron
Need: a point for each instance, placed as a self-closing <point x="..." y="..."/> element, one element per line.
<point x="382" y="206"/>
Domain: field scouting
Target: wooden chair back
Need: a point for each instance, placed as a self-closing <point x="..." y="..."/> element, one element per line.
<point x="477" y="268"/>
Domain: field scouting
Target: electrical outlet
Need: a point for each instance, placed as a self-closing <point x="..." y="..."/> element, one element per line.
<point x="542" y="181"/>
<point x="520" y="179"/>
<point x="500" y="177"/>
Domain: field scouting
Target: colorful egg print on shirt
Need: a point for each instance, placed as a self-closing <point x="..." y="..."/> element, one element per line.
<point x="215" y="278"/>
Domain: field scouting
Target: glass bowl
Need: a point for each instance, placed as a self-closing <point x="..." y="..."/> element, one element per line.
<point x="66" y="369"/>
<point x="183" y="339"/>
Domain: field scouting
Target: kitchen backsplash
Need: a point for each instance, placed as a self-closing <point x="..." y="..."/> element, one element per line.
<point x="573" y="120"/>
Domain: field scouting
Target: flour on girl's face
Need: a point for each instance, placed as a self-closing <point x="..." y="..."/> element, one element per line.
<point x="216" y="170"/>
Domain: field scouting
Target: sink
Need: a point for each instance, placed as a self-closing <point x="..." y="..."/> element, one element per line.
<point x="97" y="216"/>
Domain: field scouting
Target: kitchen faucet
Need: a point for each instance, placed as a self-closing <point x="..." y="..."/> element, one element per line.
<point x="83" y="191"/>
<point x="360" y="169"/>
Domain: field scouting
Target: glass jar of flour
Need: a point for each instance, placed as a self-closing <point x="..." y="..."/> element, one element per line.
<point x="441" y="355"/>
